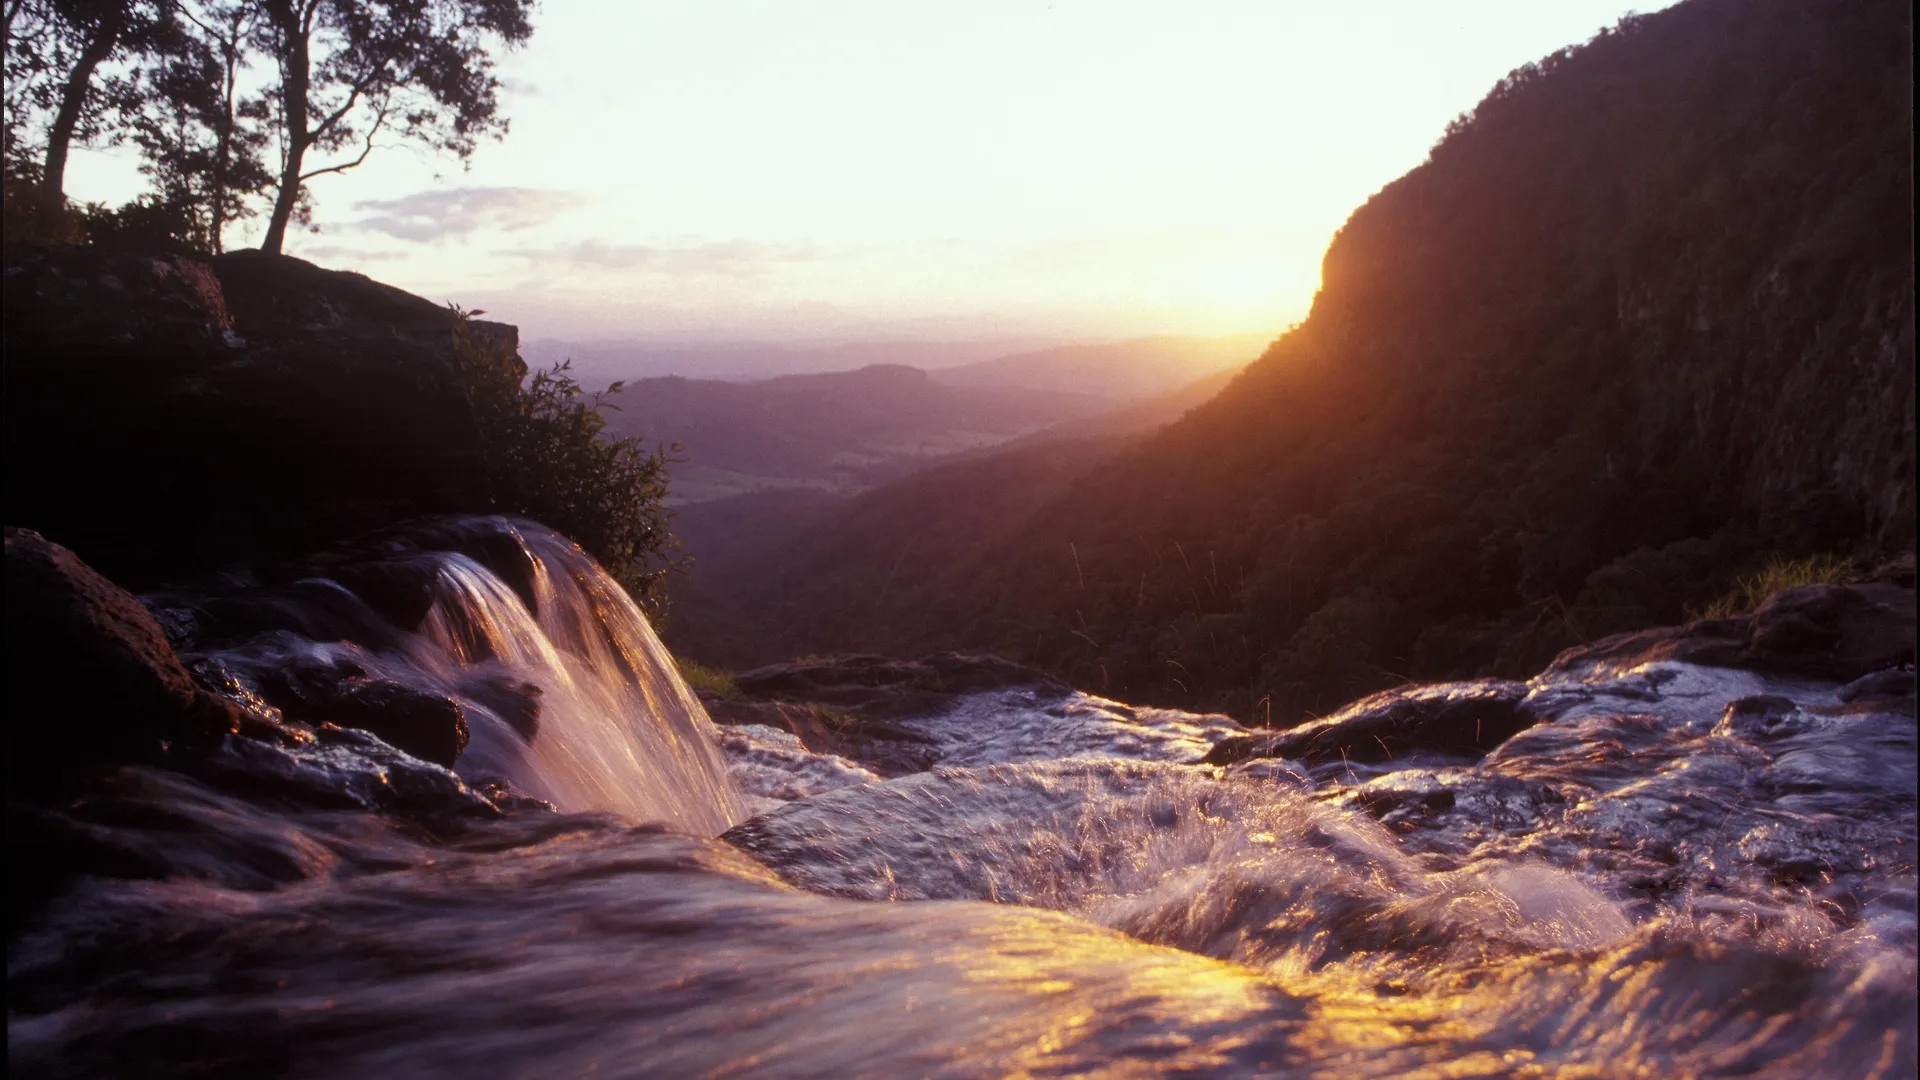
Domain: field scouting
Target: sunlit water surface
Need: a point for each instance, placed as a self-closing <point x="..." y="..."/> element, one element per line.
<point x="1645" y="884"/>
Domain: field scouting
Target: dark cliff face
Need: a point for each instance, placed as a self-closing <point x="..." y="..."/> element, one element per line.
<point x="168" y="415"/>
<point x="1642" y="322"/>
<point x="1655" y="296"/>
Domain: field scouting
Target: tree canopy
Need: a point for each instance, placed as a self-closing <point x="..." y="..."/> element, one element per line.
<point x="236" y="103"/>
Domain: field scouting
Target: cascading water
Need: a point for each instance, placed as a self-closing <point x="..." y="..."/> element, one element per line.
<point x="1670" y="870"/>
<point x="567" y="692"/>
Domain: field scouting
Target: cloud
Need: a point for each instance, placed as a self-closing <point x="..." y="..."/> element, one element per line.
<point x="439" y="213"/>
<point x="722" y="258"/>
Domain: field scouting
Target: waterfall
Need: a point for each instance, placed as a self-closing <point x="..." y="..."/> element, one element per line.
<point x="568" y="693"/>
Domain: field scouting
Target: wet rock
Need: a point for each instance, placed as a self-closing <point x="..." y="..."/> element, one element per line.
<point x="883" y="747"/>
<point x="1891" y="683"/>
<point x="294" y="681"/>
<point x="1466" y="718"/>
<point x="1836" y="632"/>
<point x="513" y="700"/>
<point x="345" y="768"/>
<point x="90" y="676"/>
<point x="1272" y="771"/>
<point x="431" y="727"/>
<point x="399" y="589"/>
<point x="848" y="705"/>
<point x="1456" y="808"/>
<point x="1763" y="717"/>
<point x="499" y="791"/>
<point x="876" y="686"/>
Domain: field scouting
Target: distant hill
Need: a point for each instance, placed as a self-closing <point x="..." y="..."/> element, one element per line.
<point x="769" y="563"/>
<point x="836" y="432"/>
<point x="1120" y="370"/>
<point x="776" y="574"/>
<point x="1641" y="323"/>
<point x="597" y="363"/>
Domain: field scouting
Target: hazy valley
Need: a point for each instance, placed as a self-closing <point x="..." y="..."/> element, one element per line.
<point x="842" y="432"/>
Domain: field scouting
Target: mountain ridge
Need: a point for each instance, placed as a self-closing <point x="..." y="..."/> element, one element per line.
<point x="1641" y="322"/>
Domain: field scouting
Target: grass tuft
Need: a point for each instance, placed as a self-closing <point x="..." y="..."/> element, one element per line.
<point x="706" y="680"/>
<point x="1780" y="573"/>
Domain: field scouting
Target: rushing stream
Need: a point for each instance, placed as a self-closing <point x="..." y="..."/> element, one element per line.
<point x="1674" y="871"/>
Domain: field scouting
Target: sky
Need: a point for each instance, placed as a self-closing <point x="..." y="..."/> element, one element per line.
<point x="713" y="170"/>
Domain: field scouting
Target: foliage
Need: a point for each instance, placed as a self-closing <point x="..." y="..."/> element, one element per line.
<point x="28" y="219"/>
<point x="203" y="140"/>
<point x="1779" y="573"/>
<point x="351" y="69"/>
<point x="546" y="459"/>
<point x="150" y="221"/>
<point x="55" y="52"/>
<point x="172" y="76"/>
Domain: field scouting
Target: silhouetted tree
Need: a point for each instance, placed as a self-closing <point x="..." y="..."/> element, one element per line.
<point x="203" y="140"/>
<point x="350" y="69"/>
<point x="57" y="47"/>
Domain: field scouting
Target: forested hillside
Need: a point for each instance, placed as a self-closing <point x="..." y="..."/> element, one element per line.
<point x="839" y="431"/>
<point x="1642" y="321"/>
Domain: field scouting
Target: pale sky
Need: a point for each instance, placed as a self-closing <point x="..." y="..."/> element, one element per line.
<point x="709" y="170"/>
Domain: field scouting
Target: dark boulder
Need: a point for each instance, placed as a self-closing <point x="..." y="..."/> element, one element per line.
<point x="91" y="679"/>
<point x="1891" y="683"/>
<point x="876" y="687"/>
<point x="1462" y="719"/>
<point x="174" y="415"/>
<point x="885" y="748"/>
<point x="430" y="726"/>
<point x="847" y="705"/>
<point x="1835" y="632"/>
<point x="513" y="700"/>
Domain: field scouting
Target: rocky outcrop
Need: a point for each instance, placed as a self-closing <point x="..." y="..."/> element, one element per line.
<point x="875" y="686"/>
<point x="847" y="705"/>
<point x="1835" y="632"/>
<point x="169" y="415"/>
<point x="90" y="677"/>
<point x="1465" y="718"/>
<point x="1861" y="635"/>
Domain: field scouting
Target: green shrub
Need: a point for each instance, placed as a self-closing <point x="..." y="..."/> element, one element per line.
<point x="545" y="459"/>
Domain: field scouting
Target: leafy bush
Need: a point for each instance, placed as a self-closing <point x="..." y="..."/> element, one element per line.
<point x="148" y="222"/>
<point x="27" y="218"/>
<point x="546" y="459"/>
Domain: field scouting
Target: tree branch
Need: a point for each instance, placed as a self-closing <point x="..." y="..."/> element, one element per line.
<point x="323" y="126"/>
<point x="364" y="151"/>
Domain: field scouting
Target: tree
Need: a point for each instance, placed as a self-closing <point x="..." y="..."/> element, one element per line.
<point x="350" y="69"/>
<point x="69" y="41"/>
<point x="203" y="140"/>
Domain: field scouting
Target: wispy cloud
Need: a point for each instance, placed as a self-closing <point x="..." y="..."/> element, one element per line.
<point x="724" y="258"/>
<point x="439" y="213"/>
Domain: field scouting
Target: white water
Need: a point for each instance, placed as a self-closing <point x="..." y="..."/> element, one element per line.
<point x="618" y="728"/>
<point x="1653" y="880"/>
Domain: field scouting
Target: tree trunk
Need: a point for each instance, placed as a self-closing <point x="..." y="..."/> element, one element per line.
<point x="223" y="151"/>
<point x="53" y="179"/>
<point x="293" y="106"/>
